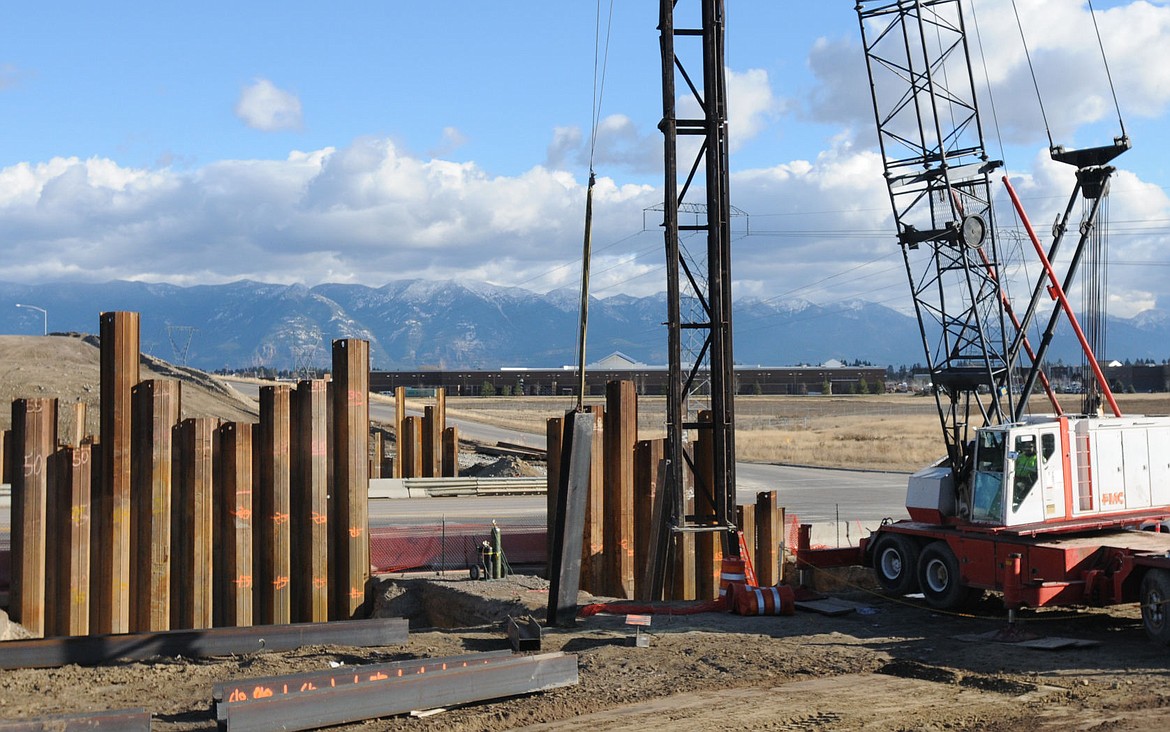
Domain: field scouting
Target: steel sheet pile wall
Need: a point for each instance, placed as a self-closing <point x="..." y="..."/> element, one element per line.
<point x="425" y="446"/>
<point x="170" y="523"/>
<point x="620" y="520"/>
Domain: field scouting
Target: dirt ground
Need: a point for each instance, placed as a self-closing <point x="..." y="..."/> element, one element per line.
<point x="889" y="665"/>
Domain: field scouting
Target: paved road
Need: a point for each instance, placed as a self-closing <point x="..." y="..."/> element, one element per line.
<point x="813" y="495"/>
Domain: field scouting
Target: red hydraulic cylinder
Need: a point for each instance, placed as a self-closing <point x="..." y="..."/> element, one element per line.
<point x="1012" y="584"/>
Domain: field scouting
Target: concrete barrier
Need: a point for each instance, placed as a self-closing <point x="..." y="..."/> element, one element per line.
<point x="447" y="487"/>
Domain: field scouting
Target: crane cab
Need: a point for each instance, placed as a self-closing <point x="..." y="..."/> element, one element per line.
<point x="1060" y="469"/>
<point x="1019" y="475"/>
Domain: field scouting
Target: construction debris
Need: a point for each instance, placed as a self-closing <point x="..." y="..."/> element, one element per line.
<point x="524" y="634"/>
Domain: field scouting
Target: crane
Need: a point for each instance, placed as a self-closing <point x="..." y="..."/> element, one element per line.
<point x="1038" y="507"/>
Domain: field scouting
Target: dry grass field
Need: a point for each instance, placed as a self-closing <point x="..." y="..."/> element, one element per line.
<point x="898" y="432"/>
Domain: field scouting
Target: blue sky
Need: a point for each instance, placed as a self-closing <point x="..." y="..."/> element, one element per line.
<point x="367" y="142"/>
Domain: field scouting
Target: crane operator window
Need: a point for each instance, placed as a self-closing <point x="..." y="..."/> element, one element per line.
<point x="1025" y="469"/>
<point x="987" y="497"/>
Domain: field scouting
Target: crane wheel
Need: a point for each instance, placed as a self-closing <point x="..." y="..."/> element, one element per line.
<point x="940" y="579"/>
<point x="895" y="561"/>
<point x="1155" y="599"/>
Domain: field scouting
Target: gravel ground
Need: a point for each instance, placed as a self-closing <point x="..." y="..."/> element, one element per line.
<point x="889" y="665"/>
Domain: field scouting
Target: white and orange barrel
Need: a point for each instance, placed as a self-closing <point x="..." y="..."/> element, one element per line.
<point x="777" y="600"/>
<point x="731" y="571"/>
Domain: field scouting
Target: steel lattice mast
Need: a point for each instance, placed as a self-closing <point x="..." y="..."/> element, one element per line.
<point x="699" y="278"/>
<point x="938" y="174"/>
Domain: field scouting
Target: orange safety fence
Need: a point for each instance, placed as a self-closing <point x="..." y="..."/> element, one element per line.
<point x="452" y="545"/>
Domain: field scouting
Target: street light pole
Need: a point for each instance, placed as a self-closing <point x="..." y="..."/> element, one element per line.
<point x="42" y="311"/>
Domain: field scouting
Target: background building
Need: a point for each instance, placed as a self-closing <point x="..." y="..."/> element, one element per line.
<point x="648" y="380"/>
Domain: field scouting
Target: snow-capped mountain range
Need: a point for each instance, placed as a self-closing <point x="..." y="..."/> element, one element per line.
<point x="416" y="324"/>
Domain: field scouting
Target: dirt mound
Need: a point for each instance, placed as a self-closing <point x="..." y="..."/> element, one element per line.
<point x="10" y="630"/>
<point x="504" y="467"/>
<point x="68" y="366"/>
<point x="461" y="602"/>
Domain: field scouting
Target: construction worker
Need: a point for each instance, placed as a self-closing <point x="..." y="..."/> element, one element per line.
<point x="1025" y="471"/>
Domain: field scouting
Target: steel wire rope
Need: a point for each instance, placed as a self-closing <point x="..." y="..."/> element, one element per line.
<point x="1108" y="74"/>
<point x="1032" y="71"/>
<point x="602" y="59"/>
<point x="1004" y="272"/>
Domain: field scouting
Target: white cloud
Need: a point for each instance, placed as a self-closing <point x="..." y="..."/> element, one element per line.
<point x="263" y="106"/>
<point x="1064" y="51"/>
<point x="365" y="213"/>
<point x="751" y="106"/>
<point x="622" y="145"/>
<point x="565" y="148"/>
<point x="369" y="214"/>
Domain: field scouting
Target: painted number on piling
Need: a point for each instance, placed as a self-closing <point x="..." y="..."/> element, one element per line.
<point x="34" y="464"/>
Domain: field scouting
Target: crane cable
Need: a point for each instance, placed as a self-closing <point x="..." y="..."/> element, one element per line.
<point x="602" y="58"/>
<point x="1036" y="85"/>
<point x="1032" y="70"/>
<point x="1094" y="275"/>
<point x="1105" y="61"/>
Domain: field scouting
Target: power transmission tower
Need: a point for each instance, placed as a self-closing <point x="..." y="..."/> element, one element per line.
<point x="180" y="337"/>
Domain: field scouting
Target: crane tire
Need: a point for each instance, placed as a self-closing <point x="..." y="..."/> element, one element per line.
<point x="940" y="578"/>
<point x="1155" y="599"/>
<point x="895" y="562"/>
